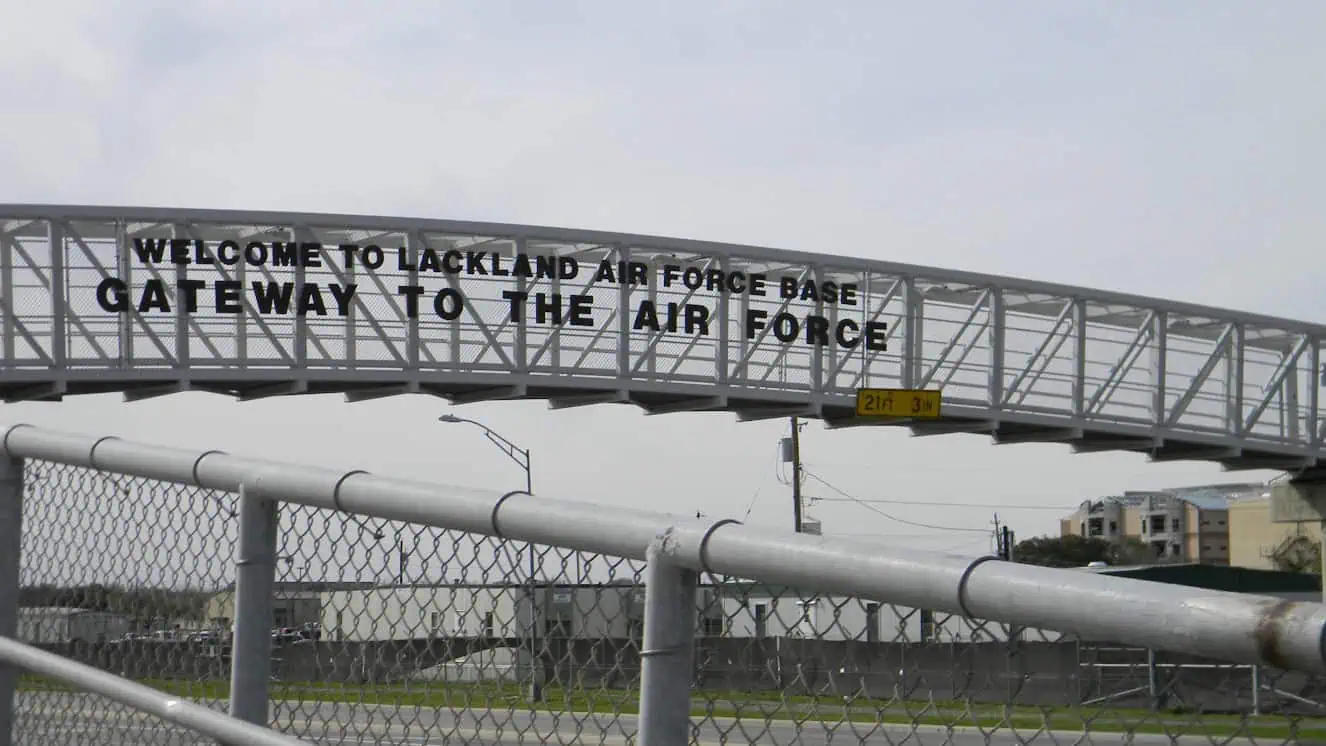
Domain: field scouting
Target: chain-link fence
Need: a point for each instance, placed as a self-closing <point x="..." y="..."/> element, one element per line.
<point x="398" y="633"/>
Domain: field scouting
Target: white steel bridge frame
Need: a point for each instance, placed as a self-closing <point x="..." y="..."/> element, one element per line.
<point x="1018" y="360"/>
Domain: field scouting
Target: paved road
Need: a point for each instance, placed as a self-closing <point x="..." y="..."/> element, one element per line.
<point x="86" y="720"/>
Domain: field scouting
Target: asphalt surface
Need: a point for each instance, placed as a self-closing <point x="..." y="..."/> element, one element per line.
<point x="87" y="720"/>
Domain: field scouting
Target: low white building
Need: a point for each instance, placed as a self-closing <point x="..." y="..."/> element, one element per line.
<point x="735" y="610"/>
<point x="56" y="624"/>
<point x="469" y="610"/>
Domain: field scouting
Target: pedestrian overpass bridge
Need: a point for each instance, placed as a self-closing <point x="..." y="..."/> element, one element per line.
<point x="152" y="301"/>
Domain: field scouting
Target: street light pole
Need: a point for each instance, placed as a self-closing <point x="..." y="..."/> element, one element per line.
<point x="522" y="458"/>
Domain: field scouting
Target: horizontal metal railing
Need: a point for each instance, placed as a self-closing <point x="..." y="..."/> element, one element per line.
<point x="168" y="707"/>
<point x="1229" y="626"/>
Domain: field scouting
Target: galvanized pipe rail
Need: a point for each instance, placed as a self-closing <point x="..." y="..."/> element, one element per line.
<point x="168" y="707"/>
<point x="1229" y="626"/>
<point x="1221" y="625"/>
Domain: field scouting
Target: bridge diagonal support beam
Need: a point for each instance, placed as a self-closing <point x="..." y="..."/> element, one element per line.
<point x="12" y="323"/>
<point x="287" y="351"/>
<point x="105" y="274"/>
<point x="1120" y="370"/>
<point x="553" y="341"/>
<point x="1220" y="351"/>
<point x="870" y="357"/>
<point x="523" y="285"/>
<point x="651" y="346"/>
<point x="1275" y="385"/>
<point x="346" y="276"/>
<point x="895" y="287"/>
<point x="475" y="319"/>
<point x="1039" y="360"/>
<point x="816" y="365"/>
<point x="976" y="309"/>
<point x="71" y="236"/>
<point x="741" y="370"/>
<point x="246" y="302"/>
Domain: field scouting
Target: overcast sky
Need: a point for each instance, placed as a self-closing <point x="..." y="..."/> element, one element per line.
<point x="1171" y="149"/>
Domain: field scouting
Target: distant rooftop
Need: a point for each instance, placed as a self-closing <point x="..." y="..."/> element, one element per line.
<point x="1204" y="497"/>
<point x="30" y="611"/>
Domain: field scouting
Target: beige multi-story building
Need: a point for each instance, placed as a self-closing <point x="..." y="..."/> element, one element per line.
<point x="1185" y="524"/>
<point x="1253" y="536"/>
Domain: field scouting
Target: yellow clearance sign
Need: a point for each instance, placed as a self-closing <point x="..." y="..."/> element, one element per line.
<point x="913" y="403"/>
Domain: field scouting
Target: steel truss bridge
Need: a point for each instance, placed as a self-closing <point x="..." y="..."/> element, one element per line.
<point x="1019" y="360"/>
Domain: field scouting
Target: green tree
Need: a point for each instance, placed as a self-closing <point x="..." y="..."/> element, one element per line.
<point x="1079" y="551"/>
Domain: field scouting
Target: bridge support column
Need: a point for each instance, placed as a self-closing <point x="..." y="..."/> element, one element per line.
<point x="1301" y="502"/>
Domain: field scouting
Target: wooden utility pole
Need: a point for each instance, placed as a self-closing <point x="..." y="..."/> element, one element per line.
<point x="796" y="475"/>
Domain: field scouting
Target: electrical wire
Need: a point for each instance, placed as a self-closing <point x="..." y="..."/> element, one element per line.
<point x="941" y="503"/>
<point x="890" y="516"/>
<point x="751" y="505"/>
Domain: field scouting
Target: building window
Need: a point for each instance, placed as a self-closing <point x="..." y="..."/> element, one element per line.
<point x="760" y="611"/>
<point x="435" y="621"/>
<point x="1174" y="525"/>
<point x="1174" y="550"/>
<point x="1220" y="523"/>
<point x="1114" y="527"/>
<point x="1157" y="524"/>
<point x="713" y="627"/>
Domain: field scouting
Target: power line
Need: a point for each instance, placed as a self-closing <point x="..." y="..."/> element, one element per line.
<point x="890" y="516"/>
<point x="939" y="503"/>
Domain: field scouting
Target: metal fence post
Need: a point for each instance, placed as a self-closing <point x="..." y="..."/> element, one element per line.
<point x="667" y="654"/>
<point x="255" y="573"/>
<point x="11" y="542"/>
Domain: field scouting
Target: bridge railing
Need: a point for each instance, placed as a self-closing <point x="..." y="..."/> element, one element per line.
<point x="339" y="606"/>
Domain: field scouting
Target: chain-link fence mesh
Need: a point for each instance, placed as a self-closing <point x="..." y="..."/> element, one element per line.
<point x="395" y="633"/>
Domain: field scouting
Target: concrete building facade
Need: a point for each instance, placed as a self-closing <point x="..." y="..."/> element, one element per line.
<point x="616" y="611"/>
<point x="589" y="611"/>
<point x="294" y="604"/>
<point x="1186" y="524"/>
<point x="1253" y="536"/>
